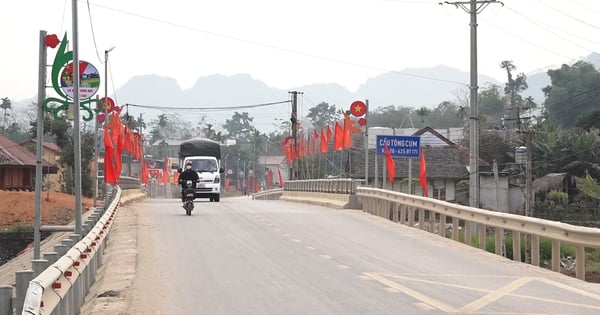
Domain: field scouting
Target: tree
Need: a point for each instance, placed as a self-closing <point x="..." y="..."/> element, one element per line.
<point x="390" y="117"/>
<point x="211" y="133"/>
<point x="445" y="116"/>
<point x="590" y="188"/>
<point x="573" y="93"/>
<point x="513" y="90"/>
<point x="422" y="112"/>
<point x="170" y="126"/>
<point x="238" y="127"/>
<point x="6" y="105"/>
<point x="589" y="121"/>
<point x="493" y="147"/>
<point x="490" y="101"/>
<point x="322" y="115"/>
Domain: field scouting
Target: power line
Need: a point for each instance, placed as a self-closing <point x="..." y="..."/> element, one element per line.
<point x="209" y="108"/>
<point x="287" y="50"/>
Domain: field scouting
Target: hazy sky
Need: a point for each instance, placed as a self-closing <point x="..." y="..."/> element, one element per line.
<point x="288" y="43"/>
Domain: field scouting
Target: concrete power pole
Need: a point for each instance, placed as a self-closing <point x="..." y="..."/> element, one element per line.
<point x="473" y="7"/>
<point x="294" y="122"/>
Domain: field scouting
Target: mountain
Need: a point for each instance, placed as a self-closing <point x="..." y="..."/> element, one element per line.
<point x="414" y="87"/>
<point x="411" y="87"/>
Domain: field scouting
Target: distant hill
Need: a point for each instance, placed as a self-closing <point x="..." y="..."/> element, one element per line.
<point x="411" y="87"/>
<point x="415" y="87"/>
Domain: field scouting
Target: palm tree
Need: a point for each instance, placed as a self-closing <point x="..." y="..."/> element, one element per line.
<point x="5" y="105"/>
<point x="422" y="112"/>
<point x="590" y="188"/>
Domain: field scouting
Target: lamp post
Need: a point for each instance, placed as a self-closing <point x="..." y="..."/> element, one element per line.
<point x="225" y="179"/>
<point x="105" y="111"/>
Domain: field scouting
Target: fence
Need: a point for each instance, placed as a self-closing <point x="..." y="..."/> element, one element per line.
<point x="432" y="214"/>
<point x="441" y="217"/>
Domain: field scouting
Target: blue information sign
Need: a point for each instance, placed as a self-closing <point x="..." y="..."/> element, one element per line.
<point x="400" y="146"/>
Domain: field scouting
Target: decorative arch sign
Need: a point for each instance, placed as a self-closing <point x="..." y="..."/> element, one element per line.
<point x="89" y="80"/>
<point x="62" y="81"/>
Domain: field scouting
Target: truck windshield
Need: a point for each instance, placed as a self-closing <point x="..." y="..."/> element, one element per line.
<point x="204" y="165"/>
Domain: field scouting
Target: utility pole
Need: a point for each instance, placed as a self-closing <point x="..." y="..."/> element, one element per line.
<point x="76" y="123"/>
<point x="473" y="7"/>
<point x="367" y="143"/>
<point x="39" y="145"/>
<point x="294" y="120"/>
<point x="105" y="124"/>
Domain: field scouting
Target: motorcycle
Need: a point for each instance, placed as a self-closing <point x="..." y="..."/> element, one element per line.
<point x="189" y="193"/>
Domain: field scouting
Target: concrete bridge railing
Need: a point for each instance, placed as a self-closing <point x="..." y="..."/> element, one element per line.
<point x="447" y="219"/>
<point x="58" y="283"/>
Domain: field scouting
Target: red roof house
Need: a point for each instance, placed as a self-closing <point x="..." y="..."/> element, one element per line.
<point x="17" y="166"/>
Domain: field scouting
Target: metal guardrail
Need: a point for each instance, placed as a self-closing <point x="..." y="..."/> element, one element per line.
<point x="334" y="186"/>
<point x="428" y="213"/>
<point x="271" y="194"/>
<point x="65" y="274"/>
<point x="64" y="284"/>
<point x="432" y="215"/>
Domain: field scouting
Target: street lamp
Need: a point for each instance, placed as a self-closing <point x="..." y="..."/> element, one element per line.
<point x="225" y="179"/>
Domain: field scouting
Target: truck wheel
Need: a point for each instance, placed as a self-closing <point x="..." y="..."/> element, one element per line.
<point x="211" y="199"/>
<point x="217" y="198"/>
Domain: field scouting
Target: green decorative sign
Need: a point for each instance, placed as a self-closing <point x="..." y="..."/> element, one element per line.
<point x="62" y="82"/>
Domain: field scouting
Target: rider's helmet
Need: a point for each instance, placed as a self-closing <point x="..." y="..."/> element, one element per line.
<point x="188" y="165"/>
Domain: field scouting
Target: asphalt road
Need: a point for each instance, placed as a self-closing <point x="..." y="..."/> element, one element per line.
<point x="243" y="256"/>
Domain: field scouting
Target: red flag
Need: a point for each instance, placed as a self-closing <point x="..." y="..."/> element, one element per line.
<point x="338" y="138"/>
<point x="423" y="175"/>
<point x="269" y="178"/>
<point x="280" y="178"/>
<point x="391" y="166"/>
<point x="144" y="175"/>
<point x="324" y="140"/>
<point x="315" y="136"/>
<point x="109" y="169"/>
<point x="226" y="183"/>
<point x="349" y="130"/>
<point x="110" y="175"/>
<point x="176" y="178"/>
<point x="166" y="169"/>
<point x="255" y="184"/>
<point x="118" y="164"/>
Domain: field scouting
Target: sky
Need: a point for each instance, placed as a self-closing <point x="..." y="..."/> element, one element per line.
<point x="289" y="43"/>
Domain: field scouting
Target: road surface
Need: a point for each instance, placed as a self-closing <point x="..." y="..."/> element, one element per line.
<point x="242" y="256"/>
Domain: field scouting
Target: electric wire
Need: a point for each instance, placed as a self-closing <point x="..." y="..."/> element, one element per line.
<point x="93" y="33"/>
<point x="270" y="46"/>
<point x="562" y="12"/>
<point x="216" y="108"/>
<point x="540" y="25"/>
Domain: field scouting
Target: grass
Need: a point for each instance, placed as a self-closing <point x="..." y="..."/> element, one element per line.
<point x="566" y="250"/>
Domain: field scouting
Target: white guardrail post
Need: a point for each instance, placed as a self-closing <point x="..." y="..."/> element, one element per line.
<point x="62" y="287"/>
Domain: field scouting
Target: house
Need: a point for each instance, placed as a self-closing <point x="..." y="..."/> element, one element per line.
<point x="18" y="165"/>
<point x="276" y="164"/>
<point x="446" y="164"/>
<point x="51" y="153"/>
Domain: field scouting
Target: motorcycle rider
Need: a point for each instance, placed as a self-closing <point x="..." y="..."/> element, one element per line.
<point x="187" y="174"/>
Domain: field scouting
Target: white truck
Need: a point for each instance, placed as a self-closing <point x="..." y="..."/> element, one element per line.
<point x="205" y="155"/>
